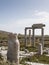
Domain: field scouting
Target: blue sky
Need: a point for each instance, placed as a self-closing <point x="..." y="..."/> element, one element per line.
<point x="15" y="15"/>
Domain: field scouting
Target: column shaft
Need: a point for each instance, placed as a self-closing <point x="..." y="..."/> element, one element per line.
<point x="25" y="37"/>
<point x="42" y="41"/>
<point x="30" y="37"/>
<point x="33" y="38"/>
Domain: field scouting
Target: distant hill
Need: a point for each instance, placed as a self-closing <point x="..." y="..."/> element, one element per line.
<point x="21" y="37"/>
<point x="3" y="35"/>
<point x="4" y="32"/>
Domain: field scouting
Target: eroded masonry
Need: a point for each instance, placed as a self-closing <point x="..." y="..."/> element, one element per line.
<point x="33" y="27"/>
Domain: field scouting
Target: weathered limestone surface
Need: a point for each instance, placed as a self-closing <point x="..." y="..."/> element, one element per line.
<point x="30" y="37"/>
<point x="13" y="49"/>
<point x="40" y="49"/>
<point x="35" y="26"/>
<point x="39" y="25"/>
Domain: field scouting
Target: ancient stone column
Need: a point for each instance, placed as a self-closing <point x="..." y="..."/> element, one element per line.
<point x="25" y="37"/>
<point x="13" y="49"/>
<point x="40" y="49"/>
<point x="33" y="37"/>
<point x="30" y="37"/>
<point x="42" y="41"/>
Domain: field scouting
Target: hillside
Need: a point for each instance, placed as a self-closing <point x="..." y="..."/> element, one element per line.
<point x="21" y="37"/>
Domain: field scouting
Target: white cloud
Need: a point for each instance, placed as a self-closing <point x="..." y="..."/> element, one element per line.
<point x="18" y="26"/>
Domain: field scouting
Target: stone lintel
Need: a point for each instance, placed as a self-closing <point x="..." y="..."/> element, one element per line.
<point x="38" y="25"/>
<point x="28" y="27"/>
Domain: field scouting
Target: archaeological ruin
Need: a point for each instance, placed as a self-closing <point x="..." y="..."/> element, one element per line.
<point x="13" y="49"/>
<point x="34" y="26"/>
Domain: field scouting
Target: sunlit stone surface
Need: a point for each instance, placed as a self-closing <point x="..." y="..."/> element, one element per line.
<point x="40" y="49"/>
<point x="13" y="49"/>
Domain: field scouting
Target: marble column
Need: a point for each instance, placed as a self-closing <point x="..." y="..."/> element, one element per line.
<point x="42" y="41"/>
<point x="33" y="37"/>
<point x="30" y="37"/>
<point x="40" y="49"/>
<point x="25" y="37"/>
